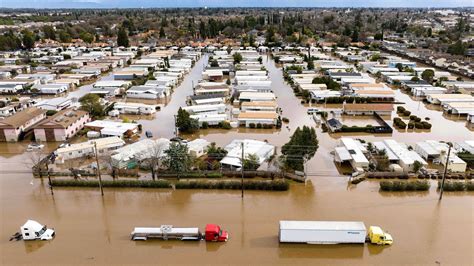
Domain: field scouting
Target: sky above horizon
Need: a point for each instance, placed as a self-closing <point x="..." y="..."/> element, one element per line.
<point x="227" y="3"/>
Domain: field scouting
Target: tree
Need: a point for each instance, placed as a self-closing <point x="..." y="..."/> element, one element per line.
<point x="185" y="123"/>
<point x="162" y="32"/>
<point x="417" y="166"/>
<point x="215" y="153"/>
<point x="378" y="36"/>
<point x="237" y="58"/>
<point x="91" y="103"/>
<point x="214" y="63"/>
<point x="122" y="38"/>
<point x="153" y="162"/>
<point x="49" y="32"/>
<point x="457" y="48"/>
<point x="399" y="66"/>
<point x="310" y="64"/>
<point x="64" y="37"/>
<point x="28" y="39"/>
<point x="251" y="162"/>
<point x="302" y="146"/>
<point x="86" y="36"/>
<point x="330" y="83"/>
<point x="177" y="158"/>
<point x="428" y="75"/>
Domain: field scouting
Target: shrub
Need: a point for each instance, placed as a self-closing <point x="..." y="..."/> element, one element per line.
<point x="225" y="125"/>
<point x="267" y="126"/>
<point x="275" y="185"/>
<point x="205" y="125"/>
<point x="426" y="125"/>
<point x="411" y="125"/>
<point x="51" y="112"/>
<point x="400" y="109"/>
<point x="259" y="125"/>
<point x="214" y="175"/>
<point x="285" y="120"/>
<point x="110" y="183"/>
<point x="406" y="113"/>
<point x="470" y="186"/>
<point x="417" y="119"/>
<point x="418" y="185"/>
<point x="252" y="125"/>
<point x="412" y="117"/>
<point x="418" y="125"/>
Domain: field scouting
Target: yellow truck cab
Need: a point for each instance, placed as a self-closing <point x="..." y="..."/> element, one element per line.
<point x="379" y="237"/>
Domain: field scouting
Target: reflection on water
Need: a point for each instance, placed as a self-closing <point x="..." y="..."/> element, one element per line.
<point x="338" y="251"/>
<point x="33" y="245"/>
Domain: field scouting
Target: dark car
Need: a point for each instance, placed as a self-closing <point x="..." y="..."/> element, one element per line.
<point x="149" y="134"/>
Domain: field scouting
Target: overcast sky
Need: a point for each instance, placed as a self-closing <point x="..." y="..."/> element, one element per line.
<point x="231" y="3"/>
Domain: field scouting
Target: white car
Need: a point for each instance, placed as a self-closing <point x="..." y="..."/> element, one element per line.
<point x="312" y="111"/>
<point x="35" y="146"/>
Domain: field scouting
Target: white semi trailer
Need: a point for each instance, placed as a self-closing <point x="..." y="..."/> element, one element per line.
<point x="331" y="232"/>
<point x="322" y="232"/>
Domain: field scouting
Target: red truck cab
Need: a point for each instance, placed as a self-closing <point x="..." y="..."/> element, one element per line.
<point x="215" y="234"/>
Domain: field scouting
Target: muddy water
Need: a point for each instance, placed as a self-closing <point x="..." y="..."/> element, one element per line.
<point x="95" y="230"/>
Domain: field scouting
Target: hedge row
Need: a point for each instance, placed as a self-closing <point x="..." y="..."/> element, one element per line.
<point x="368" y="128"/>
<point x="418" y="185"/>
<point x="276" y="185"/>
<point x="110" y="183"/>
<point x="457" y="186"/>
<point x="260" y="125"/>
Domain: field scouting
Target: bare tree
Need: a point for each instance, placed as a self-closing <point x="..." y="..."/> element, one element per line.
<point x="36" y="161"/>
<point x="153" y="160"/>
<point x="108" y="163"/>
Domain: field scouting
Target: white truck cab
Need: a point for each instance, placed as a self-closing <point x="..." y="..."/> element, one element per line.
<point x="32" y="230"/>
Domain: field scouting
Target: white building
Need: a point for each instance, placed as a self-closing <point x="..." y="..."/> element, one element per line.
<point x="406" y="157"/>
<point x="261" y="149"/>
<point x="352" y="151"/>
<point x="134" y="108"/>
<point x="130" y="155"/>
<point x="197" y="147"/>
<point x="83" y="149"/>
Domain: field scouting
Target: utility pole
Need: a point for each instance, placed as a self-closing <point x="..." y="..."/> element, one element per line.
<point x="444" y="173"/>
<point x="98" y="169"/>
<point x="49" y="176"/>
<point x="242" y="169"/>
<point x="175" y="127"/>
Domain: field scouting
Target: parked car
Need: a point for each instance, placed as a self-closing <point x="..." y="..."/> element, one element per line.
<point x="149" y="134"/>
<point x="64" y="145"/>
<point x="312" y="111"/>
<point x="34" y="146"/>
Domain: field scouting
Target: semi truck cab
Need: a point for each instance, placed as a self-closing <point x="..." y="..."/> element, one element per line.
<point x="379" y="237"/>
<point x="214" y="233"/>
<point x="32" y="230"/>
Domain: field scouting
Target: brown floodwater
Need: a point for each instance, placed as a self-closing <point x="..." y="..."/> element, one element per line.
<point x="95" y="230"/>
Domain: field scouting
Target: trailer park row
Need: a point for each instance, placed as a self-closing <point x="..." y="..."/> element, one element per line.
<point x="235" y="92"/>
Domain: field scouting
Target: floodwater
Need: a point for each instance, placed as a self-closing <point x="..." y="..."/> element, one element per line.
<point x="95" y="230"/>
